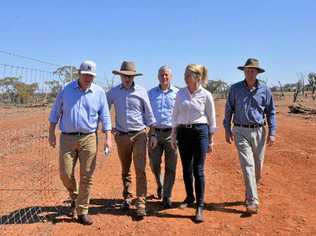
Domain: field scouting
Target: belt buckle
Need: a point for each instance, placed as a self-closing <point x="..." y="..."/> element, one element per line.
<point x="188" y="126"/>
<point x="79" y="134"/>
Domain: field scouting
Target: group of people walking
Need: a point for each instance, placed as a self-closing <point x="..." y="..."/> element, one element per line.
<point x="162" y="122"/>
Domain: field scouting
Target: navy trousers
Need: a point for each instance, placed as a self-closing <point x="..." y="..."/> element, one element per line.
<point x="193" y="145"/>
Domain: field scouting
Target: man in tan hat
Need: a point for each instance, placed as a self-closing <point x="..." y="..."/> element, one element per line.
<point x="133" y="114"/>
<point x="78" y="108"/>
<point x="249" y="107"/>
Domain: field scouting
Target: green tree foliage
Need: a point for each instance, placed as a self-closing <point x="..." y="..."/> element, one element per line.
<point x="7" y="88"/>
<point x="15" y="91"/>
<point x="54" y="87"/>
<point x="25" y="92"/>
<point x="218" y="87"/>
<point x="68" y="73"/>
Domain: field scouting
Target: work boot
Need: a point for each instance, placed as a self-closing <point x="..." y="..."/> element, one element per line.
<point x="72" y="211"/>
<point x="141" y="212"/>
<point x="199" y="215"/>
<point x="159" y="193"/>
<point x="126" y="204"/>
<point x="166" y="202"/>
<point x="252" y="209"/>
<point x="85" y="220"/>
<point x="188" y="202"/>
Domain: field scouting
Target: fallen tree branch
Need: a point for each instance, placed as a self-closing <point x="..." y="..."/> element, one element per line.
<point x="299" y="108"/>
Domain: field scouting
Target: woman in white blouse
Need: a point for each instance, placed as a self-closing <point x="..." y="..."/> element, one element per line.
<point x="194" y="124"/>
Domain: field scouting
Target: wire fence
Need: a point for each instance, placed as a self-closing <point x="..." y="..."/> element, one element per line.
<point x="30" y="189"/>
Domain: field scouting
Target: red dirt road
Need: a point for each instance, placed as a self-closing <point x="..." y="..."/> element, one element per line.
<point x="287" y="193"/>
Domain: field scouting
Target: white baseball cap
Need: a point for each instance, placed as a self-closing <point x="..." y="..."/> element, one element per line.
<point x="88" y="67"/>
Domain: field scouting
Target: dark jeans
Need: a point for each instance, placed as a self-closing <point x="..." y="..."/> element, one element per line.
<point x="193" y="144"/>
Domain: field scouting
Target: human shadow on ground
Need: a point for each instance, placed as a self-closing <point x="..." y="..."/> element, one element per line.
<point x="227" y="207"/>
<point x="60" y="213"/>
<point x="113" y="207"/>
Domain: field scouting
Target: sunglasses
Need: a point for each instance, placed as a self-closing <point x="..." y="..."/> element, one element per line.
<point x="127" y="76"/>
<point x="194" y="74"/>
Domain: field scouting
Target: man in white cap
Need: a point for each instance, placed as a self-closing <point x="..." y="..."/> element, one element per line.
<point x="78" y="108"/>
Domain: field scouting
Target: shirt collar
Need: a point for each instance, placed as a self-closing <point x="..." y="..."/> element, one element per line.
<point x="171" y="88"/>
<point x="76" y="86"/>
<point x="134" y="86"/>
<point x="258" y="84"/>
<point x="196" y="91"/>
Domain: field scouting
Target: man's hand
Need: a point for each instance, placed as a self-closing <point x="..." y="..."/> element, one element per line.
<point x="174" y="139"/>
<point x="229" y="136"/>
<point x="153" y="141"/>
<point x="52" y="135"/>
<point x="108" y="141"/>
<point x="52" y="139"/>
<point x="271" y="140"/>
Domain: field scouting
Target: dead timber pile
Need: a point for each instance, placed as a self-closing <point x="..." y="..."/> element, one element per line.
<point x="301" y="109"/>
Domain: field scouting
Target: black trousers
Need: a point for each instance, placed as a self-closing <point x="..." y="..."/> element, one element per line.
<point x="193" y="144"/>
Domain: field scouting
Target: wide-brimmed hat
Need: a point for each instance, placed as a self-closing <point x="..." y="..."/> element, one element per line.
<point x="252" y="63"/>
<point x="127" y="68"/>
<point x="88" y="67"/>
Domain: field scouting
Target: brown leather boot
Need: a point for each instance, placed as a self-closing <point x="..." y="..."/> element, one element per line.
<point x="85" y="220"/>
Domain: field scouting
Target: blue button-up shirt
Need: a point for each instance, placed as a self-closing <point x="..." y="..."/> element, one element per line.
<point x="162" y="103"/>
<point x="250" y="106"/>
<point x="132" y="108"/>
<point x="80" y="111"/>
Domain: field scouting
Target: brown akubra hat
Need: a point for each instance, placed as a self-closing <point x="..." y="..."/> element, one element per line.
<point x="127" y="68"/>
<point x="252" y="63"/>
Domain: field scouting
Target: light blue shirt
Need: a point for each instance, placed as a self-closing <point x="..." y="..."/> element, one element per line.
<point x="162" y="103"/>
<point x="247" y="106"/>
<point x="80" y="111"/>
<point x="132" y="108"/>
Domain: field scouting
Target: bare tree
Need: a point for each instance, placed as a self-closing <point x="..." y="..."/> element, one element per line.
<point x="301" y="82"/>
<point x="312" y="81"/>
<point x="281" y="89"/>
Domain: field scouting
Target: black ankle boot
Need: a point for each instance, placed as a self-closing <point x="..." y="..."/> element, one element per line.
<point x="199" y="215"/>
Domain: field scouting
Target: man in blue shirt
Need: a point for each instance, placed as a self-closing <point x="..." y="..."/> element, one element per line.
<point x="248" y="105"/>
<point x="78" y="108"/>
<point x="133" y="114"/>
<point x="162" y="99"/>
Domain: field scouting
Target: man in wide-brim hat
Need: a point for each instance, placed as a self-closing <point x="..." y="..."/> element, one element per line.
<point x="251" y="63"/>
<point x="133" y="114"/>
<point x="249" y="107"/>
<point x="128" y="68"/>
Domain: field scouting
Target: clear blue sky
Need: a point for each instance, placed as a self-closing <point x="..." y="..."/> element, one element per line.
<point x="218" y="34"/>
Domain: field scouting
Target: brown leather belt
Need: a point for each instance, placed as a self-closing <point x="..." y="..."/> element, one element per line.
<point x="77" y="133"/>
<point x="250" y="126"/>
<point x="163" y="129"/>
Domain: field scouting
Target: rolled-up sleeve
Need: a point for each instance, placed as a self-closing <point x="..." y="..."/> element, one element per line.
<point x="56" y="111"/>
<point x="148" y="112"/>
<point x="229" y="110"/>
<point x="270" y="113"/>
<point x="175" y="111"/>
<point x="210" y="113"/>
